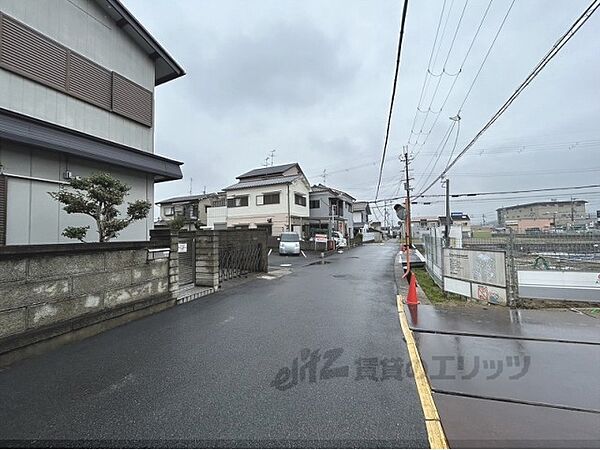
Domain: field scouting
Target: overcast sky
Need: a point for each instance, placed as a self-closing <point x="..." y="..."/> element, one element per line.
<point x="312" y="80"/>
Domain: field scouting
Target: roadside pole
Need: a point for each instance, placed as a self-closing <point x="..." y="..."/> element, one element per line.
<point x="448" y="218"/>
<point x="407" y="231"/>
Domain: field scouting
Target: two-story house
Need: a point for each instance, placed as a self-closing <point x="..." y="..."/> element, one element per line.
<point x="360" y="216"/>
<point x="77" y="81"/>
<point x="193" y="208"/>
<point x="331" y="210"/>
<point x="274" y="198"/>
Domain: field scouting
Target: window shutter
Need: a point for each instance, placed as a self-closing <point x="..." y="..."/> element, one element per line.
<point x="89" y="81"/>
<point x="131" y="100"/>
<point x="33" y="55"/>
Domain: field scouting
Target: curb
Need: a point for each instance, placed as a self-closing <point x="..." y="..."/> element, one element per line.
<point x="435" y="431"/>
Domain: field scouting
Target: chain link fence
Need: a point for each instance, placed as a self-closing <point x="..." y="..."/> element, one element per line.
<point x="577" y="252"/>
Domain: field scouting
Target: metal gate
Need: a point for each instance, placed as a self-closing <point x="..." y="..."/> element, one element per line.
<point x="187" y="260"/>
<point x="238" y="261"/>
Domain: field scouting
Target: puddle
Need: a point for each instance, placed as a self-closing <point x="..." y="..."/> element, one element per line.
<point x="319" y="263"/>
<point x="339" y="275"/>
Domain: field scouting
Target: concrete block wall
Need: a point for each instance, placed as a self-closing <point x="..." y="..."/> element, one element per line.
<point x="42" y="289"/>
<point x="207" y="258"/>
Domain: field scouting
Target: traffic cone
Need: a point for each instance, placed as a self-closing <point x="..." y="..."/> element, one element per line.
<point x="412" y="291"/>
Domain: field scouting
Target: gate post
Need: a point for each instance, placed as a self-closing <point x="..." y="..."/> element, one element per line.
<point x="207" y="259"/>
<point x="174" y="264"/>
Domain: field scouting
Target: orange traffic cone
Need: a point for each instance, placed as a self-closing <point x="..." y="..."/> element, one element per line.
<point x="412" y="291"/>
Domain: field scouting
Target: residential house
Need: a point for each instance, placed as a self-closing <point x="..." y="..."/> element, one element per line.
<point x="420" y="226"/>
<point x="331" y="210"/>
<point x="360" y="216"/>
<point x="274" y="198"/>
<point x="77" y="80"/>
<point x="458" y="219"/>
<point x="193" y="208"/>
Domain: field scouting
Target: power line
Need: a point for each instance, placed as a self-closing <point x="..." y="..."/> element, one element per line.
<point x="478" y="71"/>
<point x="486" y="56"/>
<point x="437" y="114"/>
<point x="439" y="81"/>
<point x="537" y="69"/>
<point x="387" y="132"/>
<point x="520" y="191"/>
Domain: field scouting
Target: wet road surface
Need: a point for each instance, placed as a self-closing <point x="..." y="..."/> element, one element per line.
<point x="506" y="378"/>
<point x="225" y="370"/>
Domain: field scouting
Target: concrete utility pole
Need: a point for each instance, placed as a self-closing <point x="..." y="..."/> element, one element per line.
<point x="272" y="157"/>
<point x="448" y="218"/>
<point x="407" y="186"/>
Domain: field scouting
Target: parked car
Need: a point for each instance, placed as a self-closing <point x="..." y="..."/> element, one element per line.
<point x="340" y="240"/>
<point x="289" y="244"/>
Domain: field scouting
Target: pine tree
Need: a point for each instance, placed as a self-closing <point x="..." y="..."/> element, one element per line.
<point x="98" y="196"/>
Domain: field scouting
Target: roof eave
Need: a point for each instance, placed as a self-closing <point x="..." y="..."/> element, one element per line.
<point x="176" y="70"/>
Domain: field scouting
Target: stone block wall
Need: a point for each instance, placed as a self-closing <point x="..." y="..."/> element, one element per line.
<point x="52" y="285"/>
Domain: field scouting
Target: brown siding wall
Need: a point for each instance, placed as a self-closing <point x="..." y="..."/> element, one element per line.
<point x="29" y="53"/>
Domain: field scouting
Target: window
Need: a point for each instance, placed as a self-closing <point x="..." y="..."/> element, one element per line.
<point x="349" y="206"/>
<point x="300" y="199"/>
<point x="169" y="211"/>
<point x="271" y="199"/>
<point x="314" y="204"/>
<point x="236" y="202"/>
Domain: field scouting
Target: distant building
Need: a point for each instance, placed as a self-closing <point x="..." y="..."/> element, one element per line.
<point x="562" y="213"/>
<point x="420" y="226"/>
<point x="530" y="225"/>
<point x="360" y="216"/>
<point x="458" y="219"/>
<point x="273" y="198"/>
<point x="193" y="208"/>
<point x="331" y="210"/>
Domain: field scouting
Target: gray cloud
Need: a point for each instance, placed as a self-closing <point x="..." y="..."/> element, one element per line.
<point x="312" y="79"/>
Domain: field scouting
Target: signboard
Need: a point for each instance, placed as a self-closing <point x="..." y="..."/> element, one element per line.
<point x="321" y="238"/>
<point x="457" y="286"/>
<point x="484" y="267"/>
<point x="488" y="294"/>
<point x="182" y="248"/>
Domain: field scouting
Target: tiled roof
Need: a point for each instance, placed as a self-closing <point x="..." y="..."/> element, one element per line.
<point x="263" y="171"/>
<point x="187" y="198"/>
<point x="265" y="182"/>
<point x="321" y="187"/>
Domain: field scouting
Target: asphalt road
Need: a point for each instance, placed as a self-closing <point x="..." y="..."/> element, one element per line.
<point x="227" y="370"/>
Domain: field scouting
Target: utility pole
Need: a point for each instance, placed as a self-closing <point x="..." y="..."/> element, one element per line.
<point x="407" y="187"/>
<point x="272" y="157"/>
<point x="448" y="218"/>
<point x="324" y="176"/>
<point x="191" y="181"/>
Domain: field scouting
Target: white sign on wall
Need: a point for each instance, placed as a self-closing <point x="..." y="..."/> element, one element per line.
<point x="182" y="248"/>
<point x="459" y="287"/>
<point x="484" y="267"/>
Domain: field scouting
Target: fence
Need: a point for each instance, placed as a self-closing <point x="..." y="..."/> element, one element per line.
<point x="550" y="266"/>
<point x="433" y="245"/>
<point x="477" y="273"/>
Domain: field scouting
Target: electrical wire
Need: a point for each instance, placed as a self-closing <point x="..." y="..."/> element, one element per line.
<point x="387" y="132"/>
<point x="537" y="69"/>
